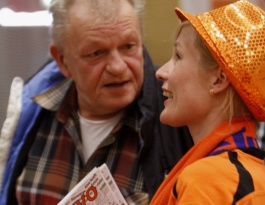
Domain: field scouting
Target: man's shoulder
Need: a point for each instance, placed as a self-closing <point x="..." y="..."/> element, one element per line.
<point x="45" y="78"/>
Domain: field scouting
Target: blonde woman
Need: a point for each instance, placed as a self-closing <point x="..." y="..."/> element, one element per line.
<point x="215" y="84"/>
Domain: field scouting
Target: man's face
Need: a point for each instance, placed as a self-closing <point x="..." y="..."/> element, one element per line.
<point x="105" y="61"/>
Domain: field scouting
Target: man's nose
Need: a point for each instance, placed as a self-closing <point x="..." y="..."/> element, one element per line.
<point x="116" y="63"/>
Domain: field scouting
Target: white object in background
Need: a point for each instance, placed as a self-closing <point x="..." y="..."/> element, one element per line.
<point x="10" y="123"/>
<point x="45" y="3"/>
<point x="10" y="18"/>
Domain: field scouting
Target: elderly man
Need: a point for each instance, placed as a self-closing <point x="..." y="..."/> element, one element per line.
<point x="101" y="106"/>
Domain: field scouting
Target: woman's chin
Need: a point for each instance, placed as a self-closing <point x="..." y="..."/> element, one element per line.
<point x="166" y="119"/>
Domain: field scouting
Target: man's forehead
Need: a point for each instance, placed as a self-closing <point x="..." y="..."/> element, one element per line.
<point x="98" y="37"/>
<point x="124" y="24"/>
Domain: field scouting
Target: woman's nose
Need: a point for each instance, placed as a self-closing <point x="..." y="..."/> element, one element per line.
<point x="162" y="72"/>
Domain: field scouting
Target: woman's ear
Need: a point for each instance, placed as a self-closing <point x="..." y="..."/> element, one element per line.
<point x="220" y="82"/>
<point x="59" y="57"/>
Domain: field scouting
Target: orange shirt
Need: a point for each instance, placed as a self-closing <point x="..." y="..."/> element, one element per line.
<point x="216" y="171"/>
<point x="215" y="180"/>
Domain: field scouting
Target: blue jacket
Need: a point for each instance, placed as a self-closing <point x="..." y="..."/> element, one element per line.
<point x="42" y="81"/>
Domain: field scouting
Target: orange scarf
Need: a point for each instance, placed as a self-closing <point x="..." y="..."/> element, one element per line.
<point x="206" y="146"/>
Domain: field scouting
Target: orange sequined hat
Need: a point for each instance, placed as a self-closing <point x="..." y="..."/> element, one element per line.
<point x="235" y="35"/>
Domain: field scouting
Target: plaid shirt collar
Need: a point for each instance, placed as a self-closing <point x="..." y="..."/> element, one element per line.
<point x="53" y="100"/>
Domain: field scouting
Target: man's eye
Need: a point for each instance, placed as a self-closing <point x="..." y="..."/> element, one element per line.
<point x="128" y="46"/>
<point x="95" y="54"/>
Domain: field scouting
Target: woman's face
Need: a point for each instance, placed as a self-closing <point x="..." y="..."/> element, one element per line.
<point x="182" y="83"/>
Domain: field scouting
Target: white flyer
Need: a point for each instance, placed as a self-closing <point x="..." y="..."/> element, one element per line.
<point x="95" y="189"/>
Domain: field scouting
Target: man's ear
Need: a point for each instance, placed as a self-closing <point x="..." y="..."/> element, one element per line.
<point x="220" y="82"/>
<point x="59" y="57"/>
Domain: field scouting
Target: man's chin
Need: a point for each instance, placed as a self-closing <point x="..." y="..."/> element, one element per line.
<point x="117" y="105"/>
<point x="122" y="100"/>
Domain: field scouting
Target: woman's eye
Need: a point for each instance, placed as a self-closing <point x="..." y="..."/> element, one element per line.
<point x="177" y="57"/>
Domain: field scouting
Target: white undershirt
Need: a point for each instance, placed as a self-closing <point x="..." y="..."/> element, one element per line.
<point x="93" y="132"/>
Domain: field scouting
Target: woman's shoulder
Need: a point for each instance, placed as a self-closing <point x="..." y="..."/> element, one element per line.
<point x="210" y="168"/>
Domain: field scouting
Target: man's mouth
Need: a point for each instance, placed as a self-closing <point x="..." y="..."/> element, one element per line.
<point x="118" y="84"/>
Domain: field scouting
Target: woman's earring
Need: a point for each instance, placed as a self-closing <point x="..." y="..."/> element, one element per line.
<point x="212" y="92"/>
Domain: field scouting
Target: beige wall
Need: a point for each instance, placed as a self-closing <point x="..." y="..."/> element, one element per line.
<point x="160" y="23"/>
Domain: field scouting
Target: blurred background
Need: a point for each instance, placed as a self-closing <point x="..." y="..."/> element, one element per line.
<point x="24" y="37"/>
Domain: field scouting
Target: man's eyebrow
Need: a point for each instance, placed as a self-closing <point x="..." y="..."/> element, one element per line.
<point x="131" y="34"/>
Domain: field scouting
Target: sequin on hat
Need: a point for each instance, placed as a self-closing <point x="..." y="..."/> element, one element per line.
<point x="235" y="35"/>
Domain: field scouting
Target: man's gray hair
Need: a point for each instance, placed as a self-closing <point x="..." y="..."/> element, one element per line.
<point x="101" y="9"/>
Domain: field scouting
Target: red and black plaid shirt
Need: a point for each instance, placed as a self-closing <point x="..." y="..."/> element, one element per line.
<point x="55" y="161"/>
